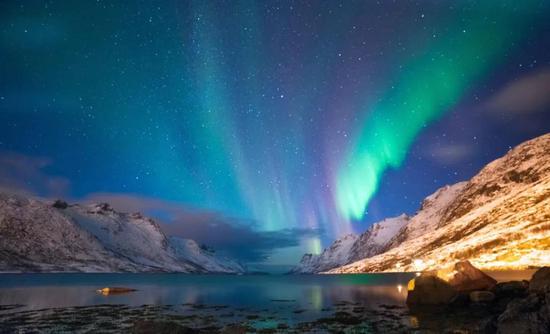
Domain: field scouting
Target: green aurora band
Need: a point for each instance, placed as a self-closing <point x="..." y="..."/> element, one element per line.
<point x="428" y="86"/>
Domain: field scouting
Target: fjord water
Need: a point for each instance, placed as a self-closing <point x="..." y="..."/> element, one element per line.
<point x="71" y="302"/>
<point x="309" y="292"/>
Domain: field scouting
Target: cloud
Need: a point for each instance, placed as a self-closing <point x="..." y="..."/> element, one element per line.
<point x="528" y="94"/>
<point x="449" y="154"/>
<point x="237" y="238"/>
<point x="25" y="174"/>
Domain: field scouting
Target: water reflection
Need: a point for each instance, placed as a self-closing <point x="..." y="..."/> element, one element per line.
<point x="307" y="292"/>
<point x="262" y="300"/>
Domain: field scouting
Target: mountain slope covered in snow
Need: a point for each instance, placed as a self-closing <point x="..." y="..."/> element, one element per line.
<point x="500" y="219"/>
<point x="37" y="236"/>
<point x="351" y="247"/>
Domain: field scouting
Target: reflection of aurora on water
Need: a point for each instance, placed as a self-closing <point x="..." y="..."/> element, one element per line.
<point x="261" y="301"/>
<point x="308" y="292"/>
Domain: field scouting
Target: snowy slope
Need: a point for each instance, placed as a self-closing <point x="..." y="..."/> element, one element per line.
<point x="189" y="250"/>
<point x="352" y="247"/>
<point x="430" y="214"/>
<point x="36" y="236"/>
<point x="378" y="238"/>
<point x="334" y="256"/>
<point x="500" y="219"/>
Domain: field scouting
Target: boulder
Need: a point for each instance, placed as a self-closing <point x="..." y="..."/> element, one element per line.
<point x="429" y="290"/>
<point x="512" y="289"/>
<point x="115" y="290"/>
<point x="540" y="280"/>
<point x="466" y="277"/>
<point x="528" y="315"/>
<point x="482" y="296"/>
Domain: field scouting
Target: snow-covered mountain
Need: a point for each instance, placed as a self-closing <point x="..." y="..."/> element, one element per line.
<point x="41" y="236"/>
<point x="189" y="250"/>
<point x="428" y="216"/>
<point x="334" y="256"/>
<point x="351" y="247"/>
<point x="500" y="219"/>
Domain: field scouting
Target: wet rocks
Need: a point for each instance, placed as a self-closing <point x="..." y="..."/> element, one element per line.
<point x="160" y="327"/>
<point x="342" y="318"/>
<point x="469" y="278"/>
<point x="429" y="290"/>
<point x="505" y="308"/>
<point x="282" y="326"/>
<point x="540" y="282"/>
<point x="482" y="296"/>
<point x="236" y="329"/>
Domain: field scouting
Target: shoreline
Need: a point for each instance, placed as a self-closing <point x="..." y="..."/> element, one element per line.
<point x="327" y="309"/>
<point x="492" y="271"/>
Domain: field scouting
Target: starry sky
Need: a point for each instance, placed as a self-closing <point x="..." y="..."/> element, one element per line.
<point x="265" y="128"/>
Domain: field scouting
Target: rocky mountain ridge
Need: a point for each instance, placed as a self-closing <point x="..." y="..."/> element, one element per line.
<point x="351" y="247"/>
<point x="40" y="236"/>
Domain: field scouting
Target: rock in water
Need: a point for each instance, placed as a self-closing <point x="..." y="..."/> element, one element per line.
<point x="429" y="290"/>
<point x="115" y="290"/>
<point x="469" y="278"/>
<point x="481" y="296"/>
<point x="540" y="281"/>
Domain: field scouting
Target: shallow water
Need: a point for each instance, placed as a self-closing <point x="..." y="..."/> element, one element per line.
<point x="259" y="301"/>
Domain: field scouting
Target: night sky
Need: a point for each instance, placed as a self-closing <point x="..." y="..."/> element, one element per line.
<point x="265" y="128"/>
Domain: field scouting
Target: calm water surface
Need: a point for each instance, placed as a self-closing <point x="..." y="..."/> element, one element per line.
<point x="258" y="301"/>
<point x="37" y="291"/>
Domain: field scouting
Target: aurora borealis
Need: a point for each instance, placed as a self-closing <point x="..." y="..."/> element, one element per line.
<point x="429" y="85"/>
<point x="318" y="116"/>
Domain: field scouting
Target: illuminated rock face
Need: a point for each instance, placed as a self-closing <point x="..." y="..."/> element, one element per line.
<point x="500" y="219"/>
<point x="429" y="290"/>
<point x="468" y="278"/>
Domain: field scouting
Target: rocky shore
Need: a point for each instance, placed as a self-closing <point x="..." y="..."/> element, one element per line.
<point x="461" y="299"/>
<point x="200" y="318"/>
<point x="506" y="308"/>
